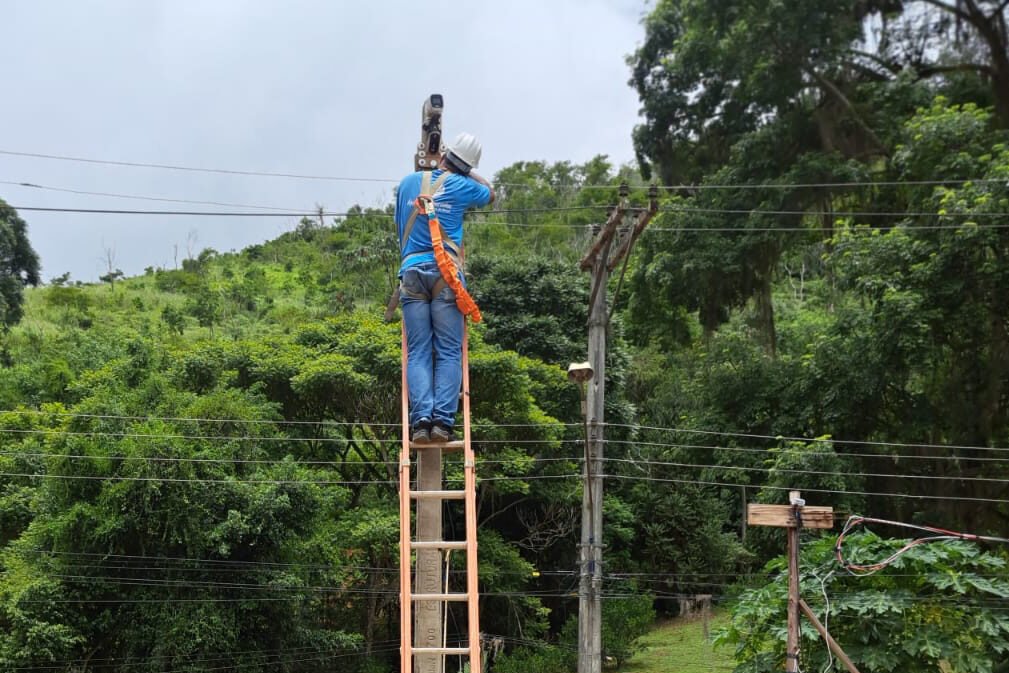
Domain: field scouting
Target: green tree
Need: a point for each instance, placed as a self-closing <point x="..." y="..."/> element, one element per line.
<point x="111" y="277"/>
<point x="174" y="319"/>
<point x="705" y="81"/>
<point x="205" y="306"/>
<point x="19" y="265"/>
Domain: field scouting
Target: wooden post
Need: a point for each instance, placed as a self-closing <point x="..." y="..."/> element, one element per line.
<point x="793" y="518"/>
<point x="792" y="650"/>
<point x="742" y="526"/>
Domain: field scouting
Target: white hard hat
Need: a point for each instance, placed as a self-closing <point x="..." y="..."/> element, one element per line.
<point x="465" y="150"/>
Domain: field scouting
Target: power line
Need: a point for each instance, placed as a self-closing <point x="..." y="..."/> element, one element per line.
<point x="327" y="482"/>
<point x="837" y="213"/>
<point x="740" y="230"/>
<point x="823" y="439"/>
<point x="187" y="213"/>
<point x="275" y="461"/>
<point x="276" y="599"/>
<point x="277" y="656"/>
<point x="124" y="563"/>
<point x="236" y="480"/>
<point x="196" y="480"/>
<point x="835" y="185"/>
<point x="307" y="213"/>
<point x="935" y="534"/>
<point x="320" y="657"/>
<point x="803" y="452"/>
<point x="194" y="169"/>
<point x="910" y="496"/>
<point x="767" y="470"/>
<point x="245" y="438"/>
<point x="138" y="197"/>
<point x="73" y="414"/>
<point x="534" y="459"/>
<point x="675" y="187"/>
<point x="555" y="424"/>
<point x="851" y="230"/>
<point x="648" y="578"/>
<point x="227" y="654"/>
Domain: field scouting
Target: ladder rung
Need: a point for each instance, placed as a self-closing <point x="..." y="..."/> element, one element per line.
<point x="438" y="544"/>
<point x="440" y="650"/>
<point x="457" y="445"/>
<point x="438" y="495"/>
<point x="457" y="597"/>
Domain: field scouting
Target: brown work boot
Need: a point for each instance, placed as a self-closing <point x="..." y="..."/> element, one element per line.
<point x="441" y="433"/>
<point x="421" y="433"/>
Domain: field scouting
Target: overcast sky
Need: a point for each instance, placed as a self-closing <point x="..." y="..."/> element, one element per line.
<point x="322" y="87"/>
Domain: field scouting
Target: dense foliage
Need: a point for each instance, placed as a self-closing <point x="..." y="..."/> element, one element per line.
<point x="199" y="463"/>
<point x="940" y="604"/>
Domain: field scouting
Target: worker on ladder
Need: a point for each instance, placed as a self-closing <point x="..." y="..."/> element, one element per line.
<point x="429" y="217"/>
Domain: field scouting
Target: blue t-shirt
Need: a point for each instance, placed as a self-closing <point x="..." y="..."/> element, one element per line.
<point x="455" y="195"/>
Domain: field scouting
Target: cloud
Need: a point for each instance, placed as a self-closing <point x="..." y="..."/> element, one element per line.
<point x="297" y="86"/>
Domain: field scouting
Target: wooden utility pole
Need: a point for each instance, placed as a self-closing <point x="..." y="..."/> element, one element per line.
<point x="794" y="517"/>
<point x="599" y="262"/>
<point x="794" y="634"/>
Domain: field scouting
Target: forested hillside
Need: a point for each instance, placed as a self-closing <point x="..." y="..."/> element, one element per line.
<point x="199" y="464"/>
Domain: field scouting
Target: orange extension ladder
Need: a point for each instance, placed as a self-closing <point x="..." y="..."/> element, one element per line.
<point x="409" y="600"/>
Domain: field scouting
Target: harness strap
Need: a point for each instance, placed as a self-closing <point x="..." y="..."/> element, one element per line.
<point x="448" y="268"/>
<point x="427" y="188"/>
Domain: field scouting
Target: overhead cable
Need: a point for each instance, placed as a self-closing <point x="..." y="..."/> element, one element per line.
<point x="33" y="185"/>
<point x="673" y="187"/>
<point x="936" y="534"/>
<point x="826" y="439"/>
<point x="542" y="477"/>
<point x="194" y="169"/>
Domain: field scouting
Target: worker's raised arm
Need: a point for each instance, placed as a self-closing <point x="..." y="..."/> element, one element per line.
<point x="476" y="176"/>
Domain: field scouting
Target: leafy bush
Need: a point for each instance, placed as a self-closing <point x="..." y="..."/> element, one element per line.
<point x="938" y="607"/>
<point x="625" y="620"/>
<point x="541" y="659"/>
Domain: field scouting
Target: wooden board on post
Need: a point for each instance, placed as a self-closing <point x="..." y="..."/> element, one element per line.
<point x="782" y="516"/>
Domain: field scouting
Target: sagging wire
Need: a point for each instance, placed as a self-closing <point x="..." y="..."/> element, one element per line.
<point x="936" y="535"/>
<point x="826" y="615"/>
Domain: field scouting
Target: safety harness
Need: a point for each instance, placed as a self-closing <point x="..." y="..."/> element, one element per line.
<point x="447" y="254"/>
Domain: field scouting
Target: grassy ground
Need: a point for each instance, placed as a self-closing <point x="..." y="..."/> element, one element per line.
<point x="679" y="645"/>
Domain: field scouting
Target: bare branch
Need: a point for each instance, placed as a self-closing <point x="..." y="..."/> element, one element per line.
<point x="973" y="8"/>
<point x="555" y="524"/>
<point x="952" y="9"/>
<point x="839" y="95"/>
<point x="929" y="70"/>
<point x="892" y="66"/>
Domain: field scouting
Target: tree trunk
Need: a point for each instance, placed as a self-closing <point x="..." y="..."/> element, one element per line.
<point x="992" y="29"/>
<point x="765" y="315"/>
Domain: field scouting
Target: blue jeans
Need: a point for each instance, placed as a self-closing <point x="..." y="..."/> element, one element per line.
<point x="434" y="333"/>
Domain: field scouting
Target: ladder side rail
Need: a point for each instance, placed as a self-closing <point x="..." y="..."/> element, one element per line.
<point x="472" y="565"/>
<point x="405" y="599"/>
